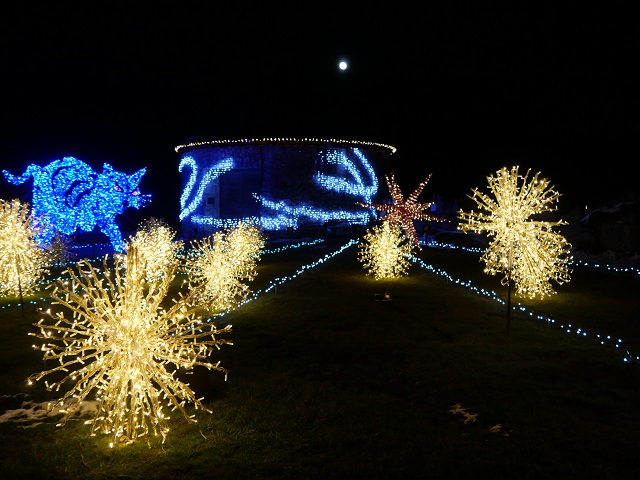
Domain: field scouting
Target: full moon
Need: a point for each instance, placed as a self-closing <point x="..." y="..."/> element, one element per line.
<point x="342" y="65"/>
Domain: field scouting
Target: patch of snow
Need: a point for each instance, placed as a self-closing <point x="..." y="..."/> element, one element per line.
<point x="32" y="414"/>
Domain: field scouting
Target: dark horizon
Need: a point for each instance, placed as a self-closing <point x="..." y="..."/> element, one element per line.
<point x="459" y="92"/>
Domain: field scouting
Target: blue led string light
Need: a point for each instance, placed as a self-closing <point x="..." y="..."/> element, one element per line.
<point x="340" y="184"/>
<point x="356" y="178"/>
<point x="567" y="328"/>
<point x="273" y="284"/>
<point x="69" y="195"/>
<point x="210" y="175"/>
<point x="602" y="339"/>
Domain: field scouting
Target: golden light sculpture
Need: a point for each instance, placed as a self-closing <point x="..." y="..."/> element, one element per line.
<point x="522" y="246"/>
<point x="157" y="247"/>
<point x="218" y="265"/>
<point x="122" y="347"/>
<point x="23" y="262"/>
<point x="403" y="212"/>
<point x="384" y="252"/>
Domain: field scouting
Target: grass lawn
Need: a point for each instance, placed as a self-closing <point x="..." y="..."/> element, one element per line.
<point x="327" y="382"/>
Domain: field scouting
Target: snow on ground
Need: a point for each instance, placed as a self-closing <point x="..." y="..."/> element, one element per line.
<point x="31" y="414"/>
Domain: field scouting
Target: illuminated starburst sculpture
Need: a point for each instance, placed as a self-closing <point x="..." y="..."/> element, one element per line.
<point x="403" y="212"/>
<point x="156" y="247"/>
<point x="384" y="252"/>
<point x="218" y="265"/>
<point x="527" y="251"/>
<point x="121" y="345"/>
<point x="22" y="260"/>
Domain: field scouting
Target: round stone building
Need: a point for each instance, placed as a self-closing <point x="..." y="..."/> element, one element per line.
<point x="278" y="183"/>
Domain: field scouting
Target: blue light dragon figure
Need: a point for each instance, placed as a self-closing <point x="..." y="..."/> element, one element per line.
<point x="69" y="195"/>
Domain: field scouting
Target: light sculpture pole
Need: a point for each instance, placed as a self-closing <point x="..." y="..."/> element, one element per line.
<point x="523" y="246"/>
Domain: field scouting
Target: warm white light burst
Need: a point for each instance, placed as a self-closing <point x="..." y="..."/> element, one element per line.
<point x="121" y="345"/>
<point x="217" y="265"/>
<point x="157" y="249"/>
<point x="22" y="261"/>
<point x="528" y="251"/>
<point x="384" y="252"/>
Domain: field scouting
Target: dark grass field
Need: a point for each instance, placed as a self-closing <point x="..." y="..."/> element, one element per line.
<point x="327" y="382"/>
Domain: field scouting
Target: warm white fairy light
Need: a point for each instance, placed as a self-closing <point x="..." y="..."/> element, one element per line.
<point x="527" y="251"/>
<point x="384" y="252"/>
<point x="23" y="262"/>
<point x="156" y="246"/>
<point x="218" y="265"/>
<point x="286" y="140"/>
<point x="121" y="345"/>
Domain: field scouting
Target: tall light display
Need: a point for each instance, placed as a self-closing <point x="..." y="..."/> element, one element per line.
<point x="527" y="251"/>
<point x="384" y="251"/>
<point x="217" y="266"/>
<point x="22" y="261"/>
<point x="119" y="344"/>
<point x="70" y="195"/>
<point x="403" y="212"/>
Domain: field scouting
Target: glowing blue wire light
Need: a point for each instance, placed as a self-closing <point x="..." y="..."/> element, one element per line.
<point x="600" y="338"/>
<point x="69" y="195"/>
<point x="289" y="216"/>
<point x="340" y="184"/>
<point x="210" y="175"/>
<point x="356" y="177"/>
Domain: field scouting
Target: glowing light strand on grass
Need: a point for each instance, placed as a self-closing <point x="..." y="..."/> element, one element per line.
<point x="218" y="265"/>
<point x="273" y="284"/>
<point x="384" y="252"/>
<point x="527" y="251"/>
<point x="122" y="345"/>
<point x="48" y="280"/>
<point x="23" y="263"/>
<point x="403" y="212"/>
<point x="572" y="262"/>
<point x="602" y="339"/>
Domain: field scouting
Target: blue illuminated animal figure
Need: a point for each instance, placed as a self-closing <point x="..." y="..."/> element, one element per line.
<point x="69" y="195"/>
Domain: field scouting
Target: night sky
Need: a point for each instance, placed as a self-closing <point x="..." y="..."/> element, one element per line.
<point x="460" y="91"/>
